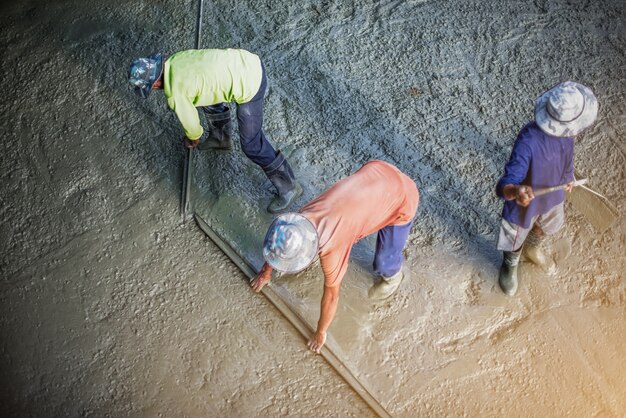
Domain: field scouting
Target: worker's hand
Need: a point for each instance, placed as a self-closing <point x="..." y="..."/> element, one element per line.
<point x="317" y="342"/>
<point x="524" y="195"/>
<point x="189" y="143"/>
<point x="520" y="193"/>
<point x="262" y="278"/>
<point x="569" y="187"/>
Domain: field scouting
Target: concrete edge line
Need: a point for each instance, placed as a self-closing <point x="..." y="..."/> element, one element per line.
<point x="296" y="320"/>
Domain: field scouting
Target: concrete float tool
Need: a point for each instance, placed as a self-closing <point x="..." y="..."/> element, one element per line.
<point x="188" y="167"/>
<point x="295" y="319"/>
<point x="597" y="209"/>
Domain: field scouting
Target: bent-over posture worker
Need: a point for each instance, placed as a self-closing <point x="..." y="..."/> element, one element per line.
<point x="542" y="156"/>
<point x="210" y="79"/>
<point x="378" y="197"/>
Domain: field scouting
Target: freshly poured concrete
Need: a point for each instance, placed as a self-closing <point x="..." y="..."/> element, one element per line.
<point x="112" y="307"/>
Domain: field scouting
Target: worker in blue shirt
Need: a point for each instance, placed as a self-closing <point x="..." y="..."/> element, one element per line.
<point x="542" y="156"/>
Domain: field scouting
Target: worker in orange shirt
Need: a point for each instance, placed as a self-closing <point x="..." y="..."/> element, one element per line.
<point x="377" y="197"/>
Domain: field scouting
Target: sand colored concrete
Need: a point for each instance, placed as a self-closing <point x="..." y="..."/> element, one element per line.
<point x="112" y="307"/>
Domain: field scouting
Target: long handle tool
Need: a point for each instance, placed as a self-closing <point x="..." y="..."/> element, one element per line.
<point x="545" y="190"/>
<point x="596" y="208"/>
<point x="188" y="168"/>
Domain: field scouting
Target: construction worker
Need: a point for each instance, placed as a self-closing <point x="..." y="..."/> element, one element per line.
<point x="211" y="79"/>
<point x="542" y="156"/>
<point x="378" y="197"/>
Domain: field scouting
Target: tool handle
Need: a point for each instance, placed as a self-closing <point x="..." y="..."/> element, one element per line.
<point x="199" y="23"/>
<point x="545" y="190"/>
<point x="185" y="198"/>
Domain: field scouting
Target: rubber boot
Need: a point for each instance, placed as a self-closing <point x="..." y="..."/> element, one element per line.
<point x="533" y="251"/>
<point x="508" y="272"/>
<point x="220" y="131"/>
<point x="280" y="174"/>
<point x="386" y="286"/>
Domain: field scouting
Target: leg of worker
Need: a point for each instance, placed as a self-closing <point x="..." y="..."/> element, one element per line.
<point x="215" y="109"/>
<point x="250" y="120"/>
<point x="388" y="259"/>
<point x="219" y="134"/>
<point x="258" y="149"/>
<point x="546" y="224"/>
<point x="510" y="242"/>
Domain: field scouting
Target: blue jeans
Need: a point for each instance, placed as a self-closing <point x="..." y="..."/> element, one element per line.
<point x="389" y="245"/>
<point x="250" y="121"/>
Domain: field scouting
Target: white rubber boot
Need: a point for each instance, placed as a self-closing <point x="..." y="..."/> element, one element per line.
<point x="533" y="251"/>
<point x="536" y="256"/>
<point x="386" y="286"/>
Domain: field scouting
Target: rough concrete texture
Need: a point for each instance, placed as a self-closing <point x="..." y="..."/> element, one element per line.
<point x="112" y="307"/>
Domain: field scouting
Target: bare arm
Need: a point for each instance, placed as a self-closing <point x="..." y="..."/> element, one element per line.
<point x="330" y="300"/>
<point x="262" y="278"/>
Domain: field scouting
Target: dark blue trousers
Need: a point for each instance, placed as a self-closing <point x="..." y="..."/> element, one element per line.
<point x="389" y="245"/>
<point x="250" y="121"/>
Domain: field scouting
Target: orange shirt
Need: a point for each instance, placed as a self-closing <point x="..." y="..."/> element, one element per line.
<point x="376" y="196"/>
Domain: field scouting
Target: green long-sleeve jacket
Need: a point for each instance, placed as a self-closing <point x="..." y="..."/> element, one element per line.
<point x="206" y="77"/>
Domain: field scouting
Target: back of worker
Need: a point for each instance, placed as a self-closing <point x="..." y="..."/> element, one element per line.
<point x="375" y="196"/>
<point x="206" y="77"/>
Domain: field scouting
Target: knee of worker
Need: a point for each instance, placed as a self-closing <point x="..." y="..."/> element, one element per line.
<point x="258" y="149"/>
<point x="251" y="134"/>
<point x="387" y="265"/>
<point x="551" y="227"/>
<point x="551" y="222"/>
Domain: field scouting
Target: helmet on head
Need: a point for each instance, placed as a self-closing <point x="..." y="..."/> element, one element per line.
<point x="144" y="72"/>
<point x="290" y="244"/>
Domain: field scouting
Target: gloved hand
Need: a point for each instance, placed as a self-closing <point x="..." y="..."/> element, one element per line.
<point x="189" y="143"/>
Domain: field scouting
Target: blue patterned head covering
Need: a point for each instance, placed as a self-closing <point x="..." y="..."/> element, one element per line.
<point x="144" y="72"/>
<point x="290" y="244"/>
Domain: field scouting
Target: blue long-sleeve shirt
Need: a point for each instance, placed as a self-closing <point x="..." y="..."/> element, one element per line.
<point x="537" y="160"/>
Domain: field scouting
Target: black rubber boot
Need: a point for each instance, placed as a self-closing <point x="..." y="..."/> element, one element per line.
<point x="280" y="174"/>
<point x="508" y="272"/>
<point x="220" y="128"/>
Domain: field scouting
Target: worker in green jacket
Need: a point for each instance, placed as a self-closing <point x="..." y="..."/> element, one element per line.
<point x="211" y="79"/>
